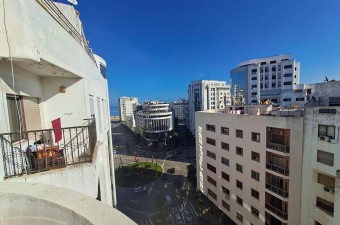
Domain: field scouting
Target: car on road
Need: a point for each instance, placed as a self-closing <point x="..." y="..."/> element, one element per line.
<point x="164" y="176"/>
<point x="140" y="189"/>
<point x="187" y="214"/>
<point x="171" y="170"/>
<point x="178" y="218"/>
<point x="168" y="200"/>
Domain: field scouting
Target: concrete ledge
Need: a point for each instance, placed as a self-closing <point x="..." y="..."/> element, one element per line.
<point x="35" y="204"/>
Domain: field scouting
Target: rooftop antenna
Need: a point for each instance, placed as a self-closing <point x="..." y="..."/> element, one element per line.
<point x="73" y="2"/>
<point x="326" y="79"/>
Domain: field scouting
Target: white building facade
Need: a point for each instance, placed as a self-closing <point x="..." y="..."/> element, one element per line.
<point x="321" y="161"/>
<point x="249" y="163"/>
<point x="154" y="120"/>
<point x="206" y="95"/>
<point x="55" y="128"/>
<point x="179" y="109"/>
<point x="269" y="76"/>
<point x="126" y="106"/>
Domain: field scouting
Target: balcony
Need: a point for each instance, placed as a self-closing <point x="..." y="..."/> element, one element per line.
<point x="37" y="151"/>
<point x="277" y="212"/>
<point x="278" y="147"/>
<point x="278" y="169"/>
<point x="277" y="190"/>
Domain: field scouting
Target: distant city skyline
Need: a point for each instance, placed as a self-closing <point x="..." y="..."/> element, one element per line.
<point x="154" y="49"/>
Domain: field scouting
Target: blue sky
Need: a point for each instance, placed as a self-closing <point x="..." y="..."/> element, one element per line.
<point x="154" y="48"/>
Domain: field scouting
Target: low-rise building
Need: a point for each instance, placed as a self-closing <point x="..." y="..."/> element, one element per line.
<point x="179" y="109"/>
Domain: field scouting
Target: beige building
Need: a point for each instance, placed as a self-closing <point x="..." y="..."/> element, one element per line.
<point x="126" y="106"/>
<point x="249" y="163"/>
<point x="321" y="161"/>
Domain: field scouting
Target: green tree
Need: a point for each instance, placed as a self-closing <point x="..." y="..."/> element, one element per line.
<point x="191" y="175"/>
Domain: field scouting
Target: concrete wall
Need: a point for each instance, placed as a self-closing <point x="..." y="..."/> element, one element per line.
<point x="38" y="204"/>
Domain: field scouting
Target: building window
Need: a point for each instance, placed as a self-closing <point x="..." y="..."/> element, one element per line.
<point x="211" y="168"/>
<point x="239" y="184"/>
<point x="239" y="201"/>
<point x="239" y="168"/>
<point x="324" y="205"/>
<point x="212" y="181"/>
<point x="239" y="151"/>
<point x="254" y="78"/>
<point x="225" y="146"/>
<point x="239" y="133"/>
<point x="255" y="156"/>
<point x="225" y="130"/>
<point x="288" y="75"/>
<point x="225" y="191"/>
<point x="255" y="175"/>
<point x="210" y="127"/>
<point x="255" y="194"/>
<point x="211" y="141"/>
<point x="212" y="194"/>
<point x="317" y="223"/>
<point x="287" y="83"/>
<point x="287" y="99"/>
<point x="288" y="67"/>
<point x="326" y="158"/>
<point x="225" y="176"/>
<point x="327" y="131"/>
<point x="327" y="181"/>
<point x="334" y="101"/>
<point x="239" y="217"/>
<point x="255" y="212"/>
<point x="225" y="161"/>
<point x="211" y="154"/>
<point x="299" y="99"/>
<point x="225" y="205"/>
<point x="255" y="136"/>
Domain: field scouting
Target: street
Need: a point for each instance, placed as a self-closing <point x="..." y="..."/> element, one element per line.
<point x="143" y="207"/>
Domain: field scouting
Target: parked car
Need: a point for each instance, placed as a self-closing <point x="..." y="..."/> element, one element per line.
<point x="178" y="218"/>
<point x="140" y="189"/>
<point x="168" y="200"/>
<point x="171" y="170"/>
<point x="187" y="214"/>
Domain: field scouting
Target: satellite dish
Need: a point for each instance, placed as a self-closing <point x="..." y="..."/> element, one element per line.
<point x="73" y="2"/>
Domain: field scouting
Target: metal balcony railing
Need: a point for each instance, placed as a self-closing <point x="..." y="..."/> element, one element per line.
<point x="278" y="147"/>
<point x="277" y="190"/>
<point x="277" y="169"/>
<point x="37" y="151"/>
<point x="277" y="212"/>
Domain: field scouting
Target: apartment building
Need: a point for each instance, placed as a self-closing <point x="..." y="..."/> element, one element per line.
<point x="126" y="106"/>
<point x="249" y="163"/>
<point x="179" y="109"/>
<point x="269" y="76"/>
<point x="321" y="160"/>
<point x="298" y="96"/>
<point x="205" y="95"/>
<point x="154" y="120"/>
<point x="56" y="162"/>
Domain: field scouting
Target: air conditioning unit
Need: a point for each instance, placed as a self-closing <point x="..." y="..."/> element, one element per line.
<point x="280" y="132"/>
<point x="269" y="128"/>
<point x="324" y="138"/>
